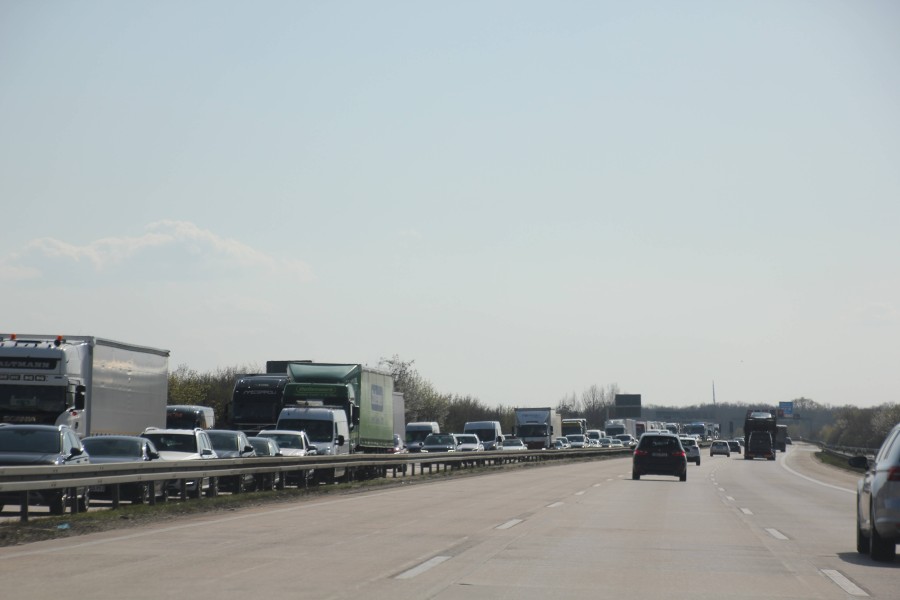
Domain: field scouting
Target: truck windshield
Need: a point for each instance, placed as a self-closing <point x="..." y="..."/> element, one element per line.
<point x="485" y="435"/>
<point x="256" y="407"/>
<point x="182" y="420"/>
<point x="316" y="431"/>
<point x="31" y="400"/>
<point x="532" y="430"/>
<point x="417" y="435"/>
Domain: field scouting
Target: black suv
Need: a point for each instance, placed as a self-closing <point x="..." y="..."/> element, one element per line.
<point x="659" y="453"/>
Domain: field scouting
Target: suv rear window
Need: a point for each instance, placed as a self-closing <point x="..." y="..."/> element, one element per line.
<point x="659" y="442"/>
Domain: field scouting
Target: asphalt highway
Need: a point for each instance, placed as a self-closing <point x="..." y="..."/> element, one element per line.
<point x="735" y="529"/>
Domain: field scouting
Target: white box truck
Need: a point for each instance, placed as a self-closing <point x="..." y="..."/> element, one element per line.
<point x="94" y="385"/>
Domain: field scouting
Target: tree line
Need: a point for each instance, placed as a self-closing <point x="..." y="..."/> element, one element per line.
<point x="841" y="426"/>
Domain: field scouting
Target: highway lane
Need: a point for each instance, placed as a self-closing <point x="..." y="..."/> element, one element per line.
<point x="541" y="532"/>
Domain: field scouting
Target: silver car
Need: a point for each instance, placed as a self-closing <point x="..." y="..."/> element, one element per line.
<point x="878" y="500"/>
<point x="691" y="448"/>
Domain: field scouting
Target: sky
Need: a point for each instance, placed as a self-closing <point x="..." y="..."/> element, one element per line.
<point x="523" y="198"/>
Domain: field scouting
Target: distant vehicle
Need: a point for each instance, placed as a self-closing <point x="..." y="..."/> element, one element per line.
<point x="761" y="421"/>
<point x="691" y="448"/>
<point x="185" y="444"/>
<point x="760" y="445"/>
<point x="107" y="449"/>
<point x="719" y="447"/>
<point x="781" y="438"/>
<point x="33" y="445"/>
<point x="440" y="442"/>
<point x="536" y="427"/>
<point x="878" y="500"/>
<point x="489" y="432"/>
<point x="417" y="432"/>
<point x="189" y="416"/>
<point x="595" y="435"/>
<point x="627" y="439"/>
<point x="577" y="440"/>
<point x="558" y="444"/>
<point x="267" y="447"/>
<point x="233" y="444"/>
<point x="734" y="446"/>
<point x="468" y="442"/>
<point x="513" y="444"/>
<point x="606" y="442"/>
<point x="399" y="446"/>
<point x="574" y="427"/>
<point x="659" y="453"/>
<point x="293" y="443"/>
<point x="257" y="400"/>
<point x="564" y="441"/>
<point x="616" y="443"/>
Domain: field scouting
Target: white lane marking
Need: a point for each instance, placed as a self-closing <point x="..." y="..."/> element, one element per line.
<point x="509" y="524"/>
<point x="844" y="583"/>
<point x="596" y="485"/>
<point x="554" y="505"/>
<point x="428" y="564"/>
<point x="581" y="493"/>
<point x="822" y="483"/>
<point x="731" y="498"/>
<point x="610" y="479"/>
<point x="776" y="534"/>
<point x="721" y="489"/>
<point x="746" y="511"/>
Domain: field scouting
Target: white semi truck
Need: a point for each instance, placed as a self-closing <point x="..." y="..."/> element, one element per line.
<point x="93" y="385"/>
<point x="537" y="427"/>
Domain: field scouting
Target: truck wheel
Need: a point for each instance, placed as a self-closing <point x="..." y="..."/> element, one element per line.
<point x="84" y="503"/>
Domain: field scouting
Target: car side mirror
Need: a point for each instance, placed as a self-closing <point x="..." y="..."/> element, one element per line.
<point x="206" y="452"/>
<point x="859" y="462"/>
<point x="340" y="440"/>
<point x="153" y="455"/>
<point x="75" y="452"/>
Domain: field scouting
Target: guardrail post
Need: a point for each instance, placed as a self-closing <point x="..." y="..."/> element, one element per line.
<point x="23" y="508"/>
<point x="73" y="494"/>
<point x="116" y="496"/>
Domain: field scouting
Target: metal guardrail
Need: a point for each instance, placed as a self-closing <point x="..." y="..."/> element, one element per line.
<point x="52" y="478"/>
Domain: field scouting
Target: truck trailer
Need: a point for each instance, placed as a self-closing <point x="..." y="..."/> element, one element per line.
<point x="537" y="427"/>
<point x="94" y="385"/>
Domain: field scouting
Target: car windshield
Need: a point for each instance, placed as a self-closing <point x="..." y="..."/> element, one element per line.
<point x="513" y="443"/>
<point x="439" y="439"/>
<point x="287" y="440"/>
<point x="226" y="442"/>
<point x="316" y="430"/>
<point x="170" y="442"/>
<point x="110" y="446"/>
<point x="261" y="447"/>
<point x="29" y="440"/>
<point x="467" y="439"/>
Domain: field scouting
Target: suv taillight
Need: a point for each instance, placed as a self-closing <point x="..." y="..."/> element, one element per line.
<point x="678" y="453"/>
<point x="641" y="453"/>
<point x="893" y="474"/>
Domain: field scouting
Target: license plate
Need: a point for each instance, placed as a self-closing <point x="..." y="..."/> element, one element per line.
<point x="660" y="454"/>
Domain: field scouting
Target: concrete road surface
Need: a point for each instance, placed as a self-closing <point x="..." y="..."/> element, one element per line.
<point x="735" y="529"/>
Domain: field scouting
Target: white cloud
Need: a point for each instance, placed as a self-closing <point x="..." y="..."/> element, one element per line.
<point x="180" y="237"/>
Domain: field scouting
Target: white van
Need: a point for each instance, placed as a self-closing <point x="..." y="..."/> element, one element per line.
<point x="327" y="430"/>
<point x="417" y="432"/>
<point x="489" y="432"/>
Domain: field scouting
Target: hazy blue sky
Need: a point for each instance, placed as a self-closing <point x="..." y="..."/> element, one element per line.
<point x="526" y="198"/>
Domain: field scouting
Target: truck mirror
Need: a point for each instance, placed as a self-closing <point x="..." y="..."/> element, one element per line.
<point x="79" y="398"/>
<point x="340" y="440"/>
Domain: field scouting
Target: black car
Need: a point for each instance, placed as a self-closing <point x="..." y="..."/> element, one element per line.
<point x="735" y="446"/>
<point x="266" y="446"/>
<point x="33" y="445"/>
<point x="659" y="453"/>
<point x="233" y="444"/>
<point x="105" y="449"/>
<point x="878" y="500"/>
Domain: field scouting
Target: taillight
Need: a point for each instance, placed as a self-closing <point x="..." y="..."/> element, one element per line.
<point x="641" y="453"/>
<point x="678" y="453"/>
<point x="893" y="474"/>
